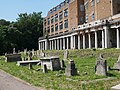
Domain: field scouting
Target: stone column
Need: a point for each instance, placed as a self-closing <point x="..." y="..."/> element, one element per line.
<point x="52" y="44"/>
<point x="106" y="36"/>
<point x="71" y="42"/>
<point x="84" y="41"/>
<point x="78" y="41"/>
<point x="57" y="44"/>
<point x="74" y="42"/>
<point x="118" y="40"/>
<point x="43" y="45"/>
<point x="89" y="37"/>
<point x="60" y="43"/>
<point x="67" y="42"/>
<point x="46" y="44"/>
<point x="96" y="41"/>
<point x="103" y="39"/>
<point x="63" y="43"/>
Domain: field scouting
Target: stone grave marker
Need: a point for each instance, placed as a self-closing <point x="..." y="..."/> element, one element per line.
<point x="13" y="50"/>
<point x="117" y="64"/>
<point x="65" y="54"/>
<point x="71" y="70"/>
<point x="101" y="66"/>
<point x="33" y="53"/>
<point x="13" y="57"/>
<point x="30" y="66"/>
<point x="45" y="68"/>
<point x="62" y="64"/>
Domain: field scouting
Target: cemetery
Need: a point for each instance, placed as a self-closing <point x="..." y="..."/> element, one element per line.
<point x="67" y="69"/>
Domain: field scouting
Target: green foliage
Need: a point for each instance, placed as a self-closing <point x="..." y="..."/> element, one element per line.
<point x="23" y="33"/>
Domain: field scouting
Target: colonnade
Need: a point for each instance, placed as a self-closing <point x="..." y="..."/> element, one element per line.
<point x="78" y="40"/>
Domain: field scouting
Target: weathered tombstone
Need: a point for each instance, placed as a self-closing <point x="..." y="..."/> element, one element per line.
<point x="70" y="69"/>
<point x="65" y="54"/>
<point x="117" y="64"/>
<point x="45" y="69"/>
<point x="101" y="66"/>
<point x="52" y="63"/>
<point x="33" y="52"/>
<point x="13" y="57"/>
<point x="30" y="66"/>
<point x="62" y="64"/>
<point x="13" y="50"/>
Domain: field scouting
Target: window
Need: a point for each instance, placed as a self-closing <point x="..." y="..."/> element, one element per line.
<point x="48" y="21"/>
<point x="56" y="27"/>
<point x="48" y="29"/>
<point x="52" y="28"/>
<point x="52" y="19"/>
<point x="93" y="16"/>
<point x="60" y="15"/>
<point x="81" y="7"/>
<point x="82" y="19"/>
<point x="66" y="12"/>
<point x="92" y="3"/>
<point x="86" y="17"/>
<point x="66" y="23"/>
<point x="61" y="25"/>
<point x="56" y="17"/>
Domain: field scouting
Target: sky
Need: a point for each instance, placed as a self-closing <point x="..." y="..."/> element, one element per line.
<point x="9" y="9"/>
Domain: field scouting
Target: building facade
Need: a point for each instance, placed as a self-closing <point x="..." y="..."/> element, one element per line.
<point x="81" y="24"/>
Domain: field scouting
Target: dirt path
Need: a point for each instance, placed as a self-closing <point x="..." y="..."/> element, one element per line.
<point x="8" y="82"/>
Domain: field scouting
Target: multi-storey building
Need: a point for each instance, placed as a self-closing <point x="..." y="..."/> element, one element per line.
<point x="80" y="24"/>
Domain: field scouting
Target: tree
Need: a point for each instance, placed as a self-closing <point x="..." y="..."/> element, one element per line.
<point x="31" y="28"/>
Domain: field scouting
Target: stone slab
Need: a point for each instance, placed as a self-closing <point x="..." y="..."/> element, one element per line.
<point x="117" y="87"/>
<point x="27" y="62"/>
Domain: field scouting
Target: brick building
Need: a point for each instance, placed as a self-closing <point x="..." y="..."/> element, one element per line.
<point x="80" y="24"/>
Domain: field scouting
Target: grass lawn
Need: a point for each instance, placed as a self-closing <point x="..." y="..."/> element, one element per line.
<point x="58" y="81"/>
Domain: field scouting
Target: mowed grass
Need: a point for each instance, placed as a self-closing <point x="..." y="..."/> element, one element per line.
<point x="58" y="81"/>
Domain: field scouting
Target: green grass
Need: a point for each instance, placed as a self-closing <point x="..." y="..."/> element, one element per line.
<point x="85" y="63"/>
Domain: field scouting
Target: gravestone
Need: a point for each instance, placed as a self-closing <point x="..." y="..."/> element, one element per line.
<point x="13" y="50"/>
<point x="70" y="69"/>
<point x="62" y="64"/>
<point x="33" y="53"/>
<point x="30" y="66"/>
<point x="25" y="51"/>
<point x="45" y="68"/>
<point x="65" y="54"/>
<point x="101" y="66"/>
<point x="52" y="63"/>
<point x="117" y="64"/>
<point x="13" y="57"/>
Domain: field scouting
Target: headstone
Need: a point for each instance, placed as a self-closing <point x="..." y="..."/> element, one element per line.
<point x="45" y="69"/>
<point x="65" y="54"/>
<point x="101" y="66"/>
<point x="70" y="69"/>
<point x="13" y="50"/>
<point x="33" y="53"/>
<point x="52" y="63"/>
<point x="117" y="64"/>
<point x="30" y="66"/>
<point x="18" y="51"/>
<point x="13" y="57"/>
<point x="62" y="64"/>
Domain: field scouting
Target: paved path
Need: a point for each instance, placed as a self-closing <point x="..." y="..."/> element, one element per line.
<point x="8" y="82"/>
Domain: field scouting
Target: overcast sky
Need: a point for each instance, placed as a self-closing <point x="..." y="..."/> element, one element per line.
<point x="9" y="9"/>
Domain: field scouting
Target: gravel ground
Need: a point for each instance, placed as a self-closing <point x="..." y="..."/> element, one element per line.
<point x="8" y="82"/>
